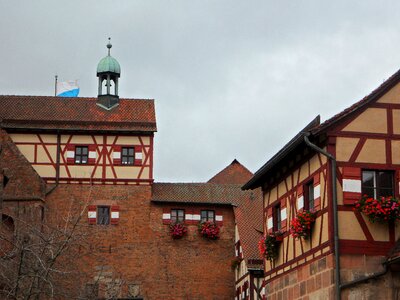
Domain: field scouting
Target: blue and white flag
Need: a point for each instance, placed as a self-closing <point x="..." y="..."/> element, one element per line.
<point x="68" y="88"/>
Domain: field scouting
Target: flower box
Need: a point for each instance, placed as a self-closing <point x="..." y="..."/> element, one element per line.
<point x="269" y="245"/>
<point x="382" y="210"/>
<point x="177" y="230"/>
<point x="300" y="227"/>
<point x="209" y="230"/>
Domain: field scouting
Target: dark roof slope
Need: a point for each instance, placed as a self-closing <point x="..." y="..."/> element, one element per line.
<point x="44" y="112"/>
<point x="257" y="179"/>
<point x="235" y="173"/>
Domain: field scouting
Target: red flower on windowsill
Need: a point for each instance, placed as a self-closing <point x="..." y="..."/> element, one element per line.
<point x="300" y="227"/>
<point x="177" y="230"/>
<point x="383" y="209"/>
<point x="209" y="230"/>
<point x="269" y="245"/>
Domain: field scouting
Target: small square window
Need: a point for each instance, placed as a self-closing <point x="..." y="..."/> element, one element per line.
<point x="81" y="154"/>
<point x="207" y="216"/>
<point x="177" y="215"/>
<point x="103" y="215"/>
<point x="127" y="155"/>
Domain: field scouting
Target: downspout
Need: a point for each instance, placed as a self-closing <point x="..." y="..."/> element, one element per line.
<point x="335" y="213"/>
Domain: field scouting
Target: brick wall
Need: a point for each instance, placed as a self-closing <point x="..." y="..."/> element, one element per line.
<point x="138" y="252"/>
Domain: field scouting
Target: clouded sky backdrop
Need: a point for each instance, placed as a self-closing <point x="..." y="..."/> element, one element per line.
<point x="230" y="79"/>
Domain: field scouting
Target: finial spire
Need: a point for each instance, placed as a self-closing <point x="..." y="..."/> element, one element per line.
<point x="109" y="45"/>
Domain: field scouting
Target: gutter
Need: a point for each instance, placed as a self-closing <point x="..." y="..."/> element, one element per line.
<point x="335" y="212"/>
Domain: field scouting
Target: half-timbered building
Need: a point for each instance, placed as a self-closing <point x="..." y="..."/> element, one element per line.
<point x="325" y="169"/>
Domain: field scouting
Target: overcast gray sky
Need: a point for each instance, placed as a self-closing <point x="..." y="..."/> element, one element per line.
<point x="230" y="79"/>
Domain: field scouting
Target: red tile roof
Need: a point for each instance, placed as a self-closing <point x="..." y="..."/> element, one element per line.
<point x="235" y="173"/>
<point x="201" y="193"/>
<point x="44" y="112"/>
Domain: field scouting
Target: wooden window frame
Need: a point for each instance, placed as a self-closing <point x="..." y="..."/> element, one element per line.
<point x="175" y="218"/>
<point x="377" y="189"/>
<point x="207" y="217"/>
<point x="276" y="217"/>
<point x="127" y="156"/>
<point x="309" y="201"/>
<point x="99" y="220"/>
<point x="78" y="159"/>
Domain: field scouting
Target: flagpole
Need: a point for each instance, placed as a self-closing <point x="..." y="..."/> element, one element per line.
<point x="55" y="85"/>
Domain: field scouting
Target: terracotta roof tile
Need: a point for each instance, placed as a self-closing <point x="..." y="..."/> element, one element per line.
<point x="46" y="112"/>
<point x="249" y="220"/>
<point x="235" y="173"/>
<point x="229" y="194"/>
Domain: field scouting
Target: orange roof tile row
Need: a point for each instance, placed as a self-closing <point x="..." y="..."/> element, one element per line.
<point x="45" y="112"/>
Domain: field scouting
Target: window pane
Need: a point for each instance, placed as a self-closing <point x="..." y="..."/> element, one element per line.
<point x="103" y="215"/>
<point x="84" y="150"/>
<point x="130" y="160"/>
<point x="385" y="179"/>
<point x="368" y="191"/>
<point x="130" y="151"/>
<point x="124" y="151"/>
<point x="368" y="178"/>
<point x="78" y="150"/>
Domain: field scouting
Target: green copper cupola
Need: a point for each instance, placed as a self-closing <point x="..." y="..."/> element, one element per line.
<point x="108" y="72"/>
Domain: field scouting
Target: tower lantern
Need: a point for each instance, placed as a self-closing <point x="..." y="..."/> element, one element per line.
<point x="108" y="72"/>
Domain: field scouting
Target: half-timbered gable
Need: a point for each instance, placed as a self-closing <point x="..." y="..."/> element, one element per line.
<point x="363" y="142"/>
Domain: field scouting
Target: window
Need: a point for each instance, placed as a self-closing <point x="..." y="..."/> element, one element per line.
<point x="309" y="196"/>
<point x="81" y="154"/>
<point x="207" y="216"/>
<point x="103" y="215"/>
<point x="177" y="215"/>
<point x="277" y="218"/>
<point x="127" y="155"/>
<point x="377" y="183"/>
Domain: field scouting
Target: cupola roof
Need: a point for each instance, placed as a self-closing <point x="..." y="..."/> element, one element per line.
<point x="108" y="63"/>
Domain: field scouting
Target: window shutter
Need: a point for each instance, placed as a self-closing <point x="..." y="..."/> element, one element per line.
<point x="166" y="217"/>
<point x="117" y="155"/>
<point x="317" y="191"/>
<point x="92" y="214"/>
<point x="92" y="154"/>
<point x="114" y="214"/>
<point x="270" y="220"/>
<point x="300" y="198"/>
<point x="70" y="154"/>
<point x="351" y="185"/>
<point x="283" y="215"/>
<point x="138" y="155"/>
